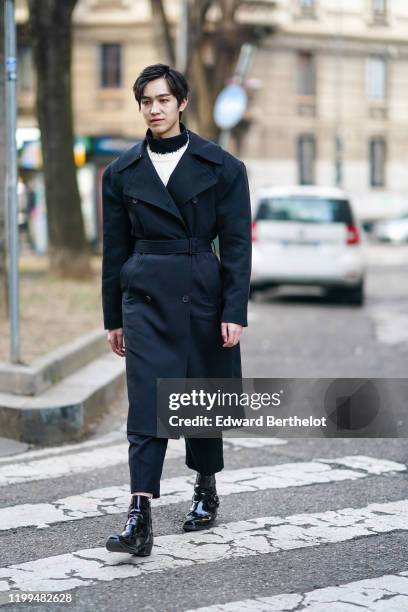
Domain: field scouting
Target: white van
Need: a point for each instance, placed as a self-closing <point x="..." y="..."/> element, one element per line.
<point x="305" y="235"/>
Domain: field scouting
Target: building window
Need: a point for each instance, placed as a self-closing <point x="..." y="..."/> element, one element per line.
<point x="306" y="155"/>
<point x="306" y="74"/>
<point x="25" y="80"/>
<point x="307" y="8"/>
<point x="377" y="162"/>
<point x="376" y="78"/>
<point x="379" y="8"/>
<point x="111" y="65"/>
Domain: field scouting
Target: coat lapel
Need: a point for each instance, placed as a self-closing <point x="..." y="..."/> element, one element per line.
<point x="191" y="176"/>
<point x="142" y="182"/>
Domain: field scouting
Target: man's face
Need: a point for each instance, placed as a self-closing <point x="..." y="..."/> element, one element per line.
<point x="160" y="108"/>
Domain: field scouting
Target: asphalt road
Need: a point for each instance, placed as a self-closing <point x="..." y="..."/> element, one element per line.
<point x="315" y="524"/>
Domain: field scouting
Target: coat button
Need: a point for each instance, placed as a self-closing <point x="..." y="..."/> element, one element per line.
<point x="147" y="298"/>
<point x="185" y="298"/>
<point x="194" y="200"/>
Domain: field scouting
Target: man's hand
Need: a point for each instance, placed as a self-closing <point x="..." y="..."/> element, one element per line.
<point x="231" y="333"/>
<point x="115" y="339"/>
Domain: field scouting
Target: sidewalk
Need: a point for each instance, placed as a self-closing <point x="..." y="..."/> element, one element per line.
<point x="53" y="312"/>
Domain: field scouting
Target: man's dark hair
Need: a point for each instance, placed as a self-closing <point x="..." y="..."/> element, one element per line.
<point x="176" y="81"/>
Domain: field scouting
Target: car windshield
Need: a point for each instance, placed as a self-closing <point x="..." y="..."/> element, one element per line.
<point x="304" y="209"/>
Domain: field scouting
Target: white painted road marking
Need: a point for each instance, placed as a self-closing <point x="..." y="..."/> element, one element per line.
<point x="391" y="323"/>
<point x="38" y="453"/>
<point x="113" y="500"/>
<point x="384" y="594"/>
<point x="238" y="443"/>
<point x="59" y="464"/>
<point x="387" y="254"/>
<point x="264" y="535"/>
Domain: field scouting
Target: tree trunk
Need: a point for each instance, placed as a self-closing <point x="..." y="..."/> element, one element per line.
<point x="3" y="155"/>
<point x="206" y="78"/>
<point x="51" y="36"/>
<point x="161" y="29"/>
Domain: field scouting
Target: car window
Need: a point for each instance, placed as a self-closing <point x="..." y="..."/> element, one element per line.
<point x="304" y="209"/>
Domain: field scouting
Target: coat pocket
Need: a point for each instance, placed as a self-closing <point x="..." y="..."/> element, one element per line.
<point x="124" y="271"/>
<point x="208" y="281"/>
<point x="132" y="297"/>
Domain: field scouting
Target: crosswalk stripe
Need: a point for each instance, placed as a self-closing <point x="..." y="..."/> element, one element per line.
<point x="233" y="540"/>
<point x="113" y="500"/>
<point x="58" y="465"/>
<point x="387" y="593"/>
<point x="238" y="443"/>
<point x="63" y="465"/>
<point x="119" y="436"/>
<point x="38" y="453"/>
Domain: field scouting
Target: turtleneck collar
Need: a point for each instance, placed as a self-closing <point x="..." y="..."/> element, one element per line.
<point x="167" y="145"/>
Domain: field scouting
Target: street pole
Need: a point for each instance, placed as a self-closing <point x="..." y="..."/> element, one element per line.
<point x="338" y="93"/>
<point x="11" y="181"/>
<point x="182" y="38"/>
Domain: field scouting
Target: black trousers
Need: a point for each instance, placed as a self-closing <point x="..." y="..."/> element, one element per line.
<point x="146" y="458"/>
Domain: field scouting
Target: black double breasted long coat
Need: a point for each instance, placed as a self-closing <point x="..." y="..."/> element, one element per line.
<point x="171" y="305"/>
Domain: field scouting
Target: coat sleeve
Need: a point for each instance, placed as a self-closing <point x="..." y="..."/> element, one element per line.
<point x="234" y="233"/>
<point x="117" y="248"/>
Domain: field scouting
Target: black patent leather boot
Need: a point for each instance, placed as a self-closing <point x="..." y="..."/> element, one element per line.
<point x="205" y="504"/>
<point x="137" y="536"/>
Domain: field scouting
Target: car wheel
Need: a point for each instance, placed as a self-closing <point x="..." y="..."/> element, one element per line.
<point x="334" y="294"/>
<point x="255" y="290"/>
<point x="355" y="295"/>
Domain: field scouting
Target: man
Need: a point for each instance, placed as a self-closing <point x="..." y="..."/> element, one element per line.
<point x="171" y="307"/>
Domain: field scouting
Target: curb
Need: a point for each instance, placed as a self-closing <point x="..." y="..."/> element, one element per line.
<point x="69" y="409"/>
<point x="46" y="371"/>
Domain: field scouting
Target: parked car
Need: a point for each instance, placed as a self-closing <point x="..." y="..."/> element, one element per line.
<point x="308" y="236"/>
<point x="392" y="230"/>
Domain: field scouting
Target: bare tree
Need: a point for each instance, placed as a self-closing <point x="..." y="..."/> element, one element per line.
<point x="214" y="39"/>
<point x="162" y="29"/>
<point x="3" y="267"/>
<point x="51" y="37"/>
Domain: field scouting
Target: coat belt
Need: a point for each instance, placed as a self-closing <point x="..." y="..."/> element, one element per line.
<point x="182" y="245"/>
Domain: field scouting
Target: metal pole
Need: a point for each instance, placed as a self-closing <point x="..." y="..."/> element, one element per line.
<point x="338" y="93"/>
<point x="11" y="181"/>
<point x="182" y="39"/>
<point x="241" y="70"/>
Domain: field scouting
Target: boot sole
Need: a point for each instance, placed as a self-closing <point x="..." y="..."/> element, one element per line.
<point x="121" y="547"/>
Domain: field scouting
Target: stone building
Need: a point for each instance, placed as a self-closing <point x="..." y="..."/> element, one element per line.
<point x="329" y="105"/>
<point x="332" y="108"/>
